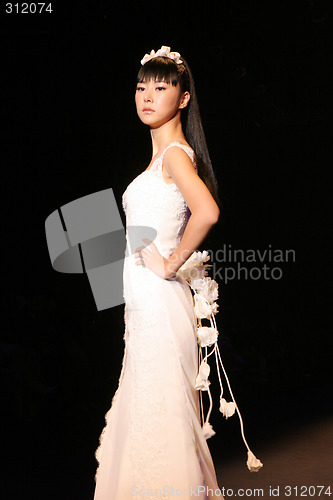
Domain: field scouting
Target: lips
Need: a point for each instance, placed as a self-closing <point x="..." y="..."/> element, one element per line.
<point x="147" y="109"/>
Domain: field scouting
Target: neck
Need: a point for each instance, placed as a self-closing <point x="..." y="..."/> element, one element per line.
<point x="167" y="133"/>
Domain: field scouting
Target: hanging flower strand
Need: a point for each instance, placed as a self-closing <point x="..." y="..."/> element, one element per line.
<point x="193" y="271"/>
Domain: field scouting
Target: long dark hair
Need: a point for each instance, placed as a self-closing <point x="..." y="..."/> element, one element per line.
<point x="166" y="70"/>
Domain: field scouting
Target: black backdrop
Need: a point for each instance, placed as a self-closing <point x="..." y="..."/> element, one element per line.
<point x="262" y="71"/>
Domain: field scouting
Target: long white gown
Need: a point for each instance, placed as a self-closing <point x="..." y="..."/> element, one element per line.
<point x="152" y="444"/>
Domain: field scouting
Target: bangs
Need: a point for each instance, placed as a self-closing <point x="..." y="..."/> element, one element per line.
<point x="159" y="69"/>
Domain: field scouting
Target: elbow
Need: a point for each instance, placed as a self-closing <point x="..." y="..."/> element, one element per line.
<point x="214" y="216"/>
<point x="207" y="217"/>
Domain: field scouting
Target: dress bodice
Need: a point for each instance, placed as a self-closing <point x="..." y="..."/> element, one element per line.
<point x="149" y="201"/>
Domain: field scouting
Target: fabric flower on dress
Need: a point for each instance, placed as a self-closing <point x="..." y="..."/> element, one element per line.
<point x="202" y="308"/>
<point x="207" y="336"/>
<point x="193" y="269"/>
<point x="227" y="409"/>
<point x="164" y="51"/>
<point x="196" y="258"/>
<point x="208" y="430"/>
<point x="209" y="289"/>
<point x="194" y="275"/>
<point x="214" y="307"/>
<point x="196" y="283"/>
<point x="202" y="382"/>
<point x="253" y="463"/>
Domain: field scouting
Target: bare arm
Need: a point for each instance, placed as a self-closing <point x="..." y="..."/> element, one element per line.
<point x="204" y="210"/>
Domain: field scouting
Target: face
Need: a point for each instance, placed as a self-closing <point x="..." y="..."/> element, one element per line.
<point x="158" y="102"/>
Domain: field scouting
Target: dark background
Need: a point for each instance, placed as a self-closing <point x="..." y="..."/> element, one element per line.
<point x="264" y="84"/>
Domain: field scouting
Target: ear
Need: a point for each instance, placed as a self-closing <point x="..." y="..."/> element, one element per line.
<point x="184" y="100"/>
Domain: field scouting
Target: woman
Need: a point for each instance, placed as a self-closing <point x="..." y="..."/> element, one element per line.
<point x="153" y="443"/>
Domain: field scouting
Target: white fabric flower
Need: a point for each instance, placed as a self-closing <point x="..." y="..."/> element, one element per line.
<point x="207" y="336"/>
<point x="196" y="283"/>
<point x="147" y="57"/>
<point x="202" y="382"/>
<point x="202" y="308"/>
<point x="214" y="307"/>
<point x="193" y="269"/>
<point x="201" y="256"/>
<point x="253" y="463"/>
<point x="227" y="409"/>
<point x="193" y="274"/>
<point x="164" y="51"/>
<point x="209" y="289"/>
<point x="196" y="258"/>
<point x="208" y="430"/>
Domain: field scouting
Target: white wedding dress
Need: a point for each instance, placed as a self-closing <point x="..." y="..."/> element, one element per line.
<point x="153" y="443"/>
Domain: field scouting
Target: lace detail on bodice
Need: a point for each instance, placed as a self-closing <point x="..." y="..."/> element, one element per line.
<point x="150" y="201"/>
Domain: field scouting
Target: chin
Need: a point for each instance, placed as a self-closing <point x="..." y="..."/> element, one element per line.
<point x="151" y="121"/>
<point x="147" y="119"/>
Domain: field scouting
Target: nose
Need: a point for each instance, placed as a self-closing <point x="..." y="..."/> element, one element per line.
<point x="147" y="97"/>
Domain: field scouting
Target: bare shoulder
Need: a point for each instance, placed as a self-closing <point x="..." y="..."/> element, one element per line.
<point x="176" y="158"/>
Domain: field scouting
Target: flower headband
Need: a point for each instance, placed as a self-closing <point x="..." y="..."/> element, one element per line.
<point x="162" y="52"/>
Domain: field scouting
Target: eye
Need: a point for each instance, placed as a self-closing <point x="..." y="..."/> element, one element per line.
<point x="140" y="88"/>
<point x="160" y="88"/>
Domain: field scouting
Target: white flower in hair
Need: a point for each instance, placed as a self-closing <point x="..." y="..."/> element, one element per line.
<point x="164" y="51"/>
